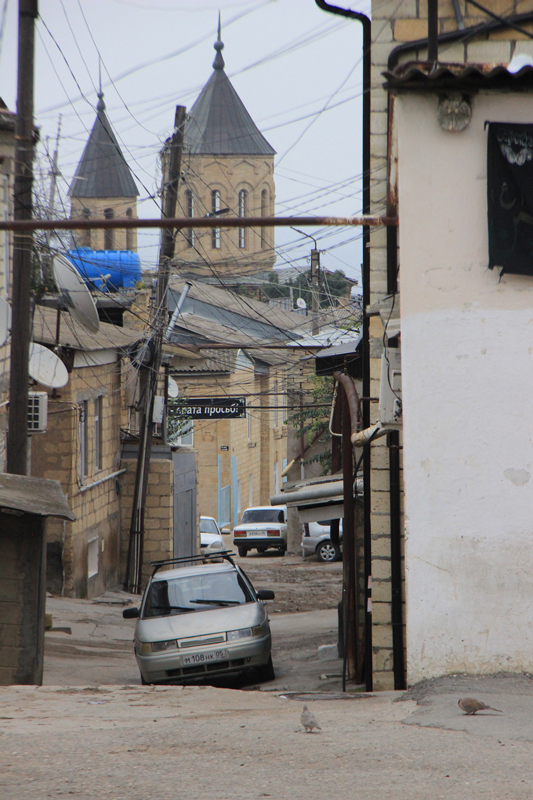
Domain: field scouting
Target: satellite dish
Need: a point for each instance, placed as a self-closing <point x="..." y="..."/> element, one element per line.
<point x="46" y="368"/>
<point x="74" y="294"/>
<point x="173" y="390"/>
<point x="5" y="320"/>
<point x="301" y="303"/>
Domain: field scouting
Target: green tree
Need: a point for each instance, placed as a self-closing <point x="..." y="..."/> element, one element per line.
<point x="310" y="421"/>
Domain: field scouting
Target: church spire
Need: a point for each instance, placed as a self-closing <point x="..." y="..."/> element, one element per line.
<point x="218" y="63"/>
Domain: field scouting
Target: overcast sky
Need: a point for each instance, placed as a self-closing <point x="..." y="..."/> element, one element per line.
<point x="296" y="68"/>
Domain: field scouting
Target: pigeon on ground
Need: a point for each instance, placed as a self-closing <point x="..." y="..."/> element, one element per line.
<point x="471" y="706"/>
<point x="309" y="721"/>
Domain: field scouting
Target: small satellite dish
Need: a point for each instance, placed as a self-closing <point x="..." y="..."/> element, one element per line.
<point x="301" y="303"/>
<point x="173" y="390"/>
<point x="5" y="320"/>
<point x="74" y="294"/>
<point x="46" y="368"/>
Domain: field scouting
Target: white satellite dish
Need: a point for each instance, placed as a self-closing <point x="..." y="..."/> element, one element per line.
<point x="46" y="368"/>
<point x="301" y="303"/>
<point x="74" y="294"/>
<point x="5" y="320"/>
<point x="173" y="390"/>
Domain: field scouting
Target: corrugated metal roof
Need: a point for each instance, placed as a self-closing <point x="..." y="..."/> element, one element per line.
<point x="219" y="123"/>
<point x="72" y="335"/>
<point x="102" y="170"/>
<point x="427" y="76"/>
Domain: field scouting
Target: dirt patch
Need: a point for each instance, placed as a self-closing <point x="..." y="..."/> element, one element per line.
<point x="299" y="585"/>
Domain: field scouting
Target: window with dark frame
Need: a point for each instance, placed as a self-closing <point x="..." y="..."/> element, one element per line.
<point x="215" y="209"/>
<point x="510" y="197"/>
<point x="83" y="435"/>
<point x="98" y="421"/>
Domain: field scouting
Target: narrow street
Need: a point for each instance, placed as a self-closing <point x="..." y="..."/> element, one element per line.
<point x="98" y="649"/>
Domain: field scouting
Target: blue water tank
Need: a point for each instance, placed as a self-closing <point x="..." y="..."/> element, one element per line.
<point x="107" y="270"/>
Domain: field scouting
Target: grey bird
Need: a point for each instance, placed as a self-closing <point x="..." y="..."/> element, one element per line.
<point x="471" y="706"/>
<point x="309" y="721"/>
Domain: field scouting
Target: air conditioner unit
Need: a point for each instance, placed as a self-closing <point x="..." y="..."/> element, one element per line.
<point x="37" y="412"/>
<point x="390" y="389"/>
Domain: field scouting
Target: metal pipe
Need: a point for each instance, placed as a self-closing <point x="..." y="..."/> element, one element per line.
<point x="178" y="308"/>
<point x="352" y="399"/>
<point x="455" y="36"/>
<point x="102" y="480"/>
<point x="396" y="562"/>
<point x="192" y="222"/>
<point x="367" y="517"/>
<point x="433" y="30"/>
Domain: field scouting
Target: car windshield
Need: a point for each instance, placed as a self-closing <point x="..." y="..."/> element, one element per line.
<point x="208" y="525"/>
<point x="196" y="593"/>
<point x="263" y="515"/>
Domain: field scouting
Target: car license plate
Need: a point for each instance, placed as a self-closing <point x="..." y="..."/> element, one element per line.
<point x="204" y="658"/>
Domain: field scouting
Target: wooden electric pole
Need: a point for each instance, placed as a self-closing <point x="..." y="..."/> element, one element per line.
<point x="17" y="443"/>
<point x="171" y="175"/>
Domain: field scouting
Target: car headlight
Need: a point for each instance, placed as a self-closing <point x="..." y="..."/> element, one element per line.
<point x="158" y="647"/>
<point x="245" y="633"/>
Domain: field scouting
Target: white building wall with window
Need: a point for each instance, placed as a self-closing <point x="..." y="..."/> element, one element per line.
<point x="467" y="361"/>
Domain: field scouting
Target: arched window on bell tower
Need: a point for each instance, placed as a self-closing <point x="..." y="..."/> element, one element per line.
<point x="243" y="200"/>
<point x="215" y="209"/>
<point x="109" y="233"/>
<point x="129" y="231"/>
<point x="189" y="202"/>
<point x="264" y="213"/>
<point x="84" y="236"/>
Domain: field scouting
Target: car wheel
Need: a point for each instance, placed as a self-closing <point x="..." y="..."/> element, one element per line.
<point x="261" y="549"/>
<point x="266" y="671"/>
<point x="242" y="551"/>
<point x="327" y="551"/>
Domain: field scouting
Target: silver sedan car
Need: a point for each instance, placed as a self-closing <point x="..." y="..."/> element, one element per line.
<point x="201" y="620"/>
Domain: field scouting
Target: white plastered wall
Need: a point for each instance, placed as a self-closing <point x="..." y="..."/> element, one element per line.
<point x="467" y="382"/>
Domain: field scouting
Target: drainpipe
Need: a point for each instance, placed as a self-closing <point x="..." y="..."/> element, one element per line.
<point x="367" y="66"/>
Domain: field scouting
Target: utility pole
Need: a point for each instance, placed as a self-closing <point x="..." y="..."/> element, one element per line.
<point x="315" y="305"/>
<point x="17" y="444"/>
<point x="53" y="173"/>
<point x="171" y="177"/>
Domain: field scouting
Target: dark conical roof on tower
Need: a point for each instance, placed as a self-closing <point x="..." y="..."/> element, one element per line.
<point x="102" y="171"/>
<point x="218" y="123"/>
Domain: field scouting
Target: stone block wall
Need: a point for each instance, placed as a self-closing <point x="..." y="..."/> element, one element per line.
<point x="158" y="521"/>
<point x="56" y="455"/>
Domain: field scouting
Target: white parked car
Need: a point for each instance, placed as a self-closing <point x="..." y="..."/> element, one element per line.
<point x="316" y="539"/>
<point x="261" y="528"/>
<point x="201" y="620"/>
<point x="211" y="538"/>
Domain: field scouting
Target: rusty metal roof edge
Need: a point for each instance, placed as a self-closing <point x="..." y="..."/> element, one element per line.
<point x="423" y="74"/>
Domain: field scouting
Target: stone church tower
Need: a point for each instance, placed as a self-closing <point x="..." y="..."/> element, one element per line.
<point x="103" y="187"/>
<point x="227" y="167"/>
